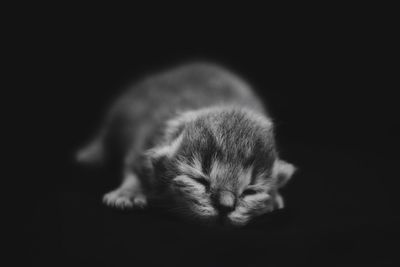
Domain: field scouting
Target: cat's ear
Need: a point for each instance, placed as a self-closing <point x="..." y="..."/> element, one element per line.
<point x="158" y="156"/>
<point x="165" y="150"/>
<point x="282" y="171"/>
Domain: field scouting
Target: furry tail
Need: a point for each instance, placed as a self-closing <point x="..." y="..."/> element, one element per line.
<point x="92" y="154"/>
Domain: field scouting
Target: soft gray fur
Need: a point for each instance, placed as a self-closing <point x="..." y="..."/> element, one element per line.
<point x="199" y="137"/>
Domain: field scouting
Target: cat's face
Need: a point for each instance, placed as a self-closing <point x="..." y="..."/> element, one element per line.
<point x="224" y="171"/>
<point x="229" y="193"/>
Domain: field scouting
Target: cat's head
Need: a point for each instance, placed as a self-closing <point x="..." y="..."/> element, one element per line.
<point x="221" y="165"/>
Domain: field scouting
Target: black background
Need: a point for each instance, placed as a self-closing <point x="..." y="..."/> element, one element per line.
<point x="327" y="83"/>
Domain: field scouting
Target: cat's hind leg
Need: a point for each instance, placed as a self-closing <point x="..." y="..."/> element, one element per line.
<point x="93" y="153"/>
<point x="128" y="195"/>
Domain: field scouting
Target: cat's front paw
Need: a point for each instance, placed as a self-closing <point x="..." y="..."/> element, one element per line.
<point x="123" y="199"/>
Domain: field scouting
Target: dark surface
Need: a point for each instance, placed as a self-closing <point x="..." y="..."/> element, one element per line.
<point x="328" y="89"/>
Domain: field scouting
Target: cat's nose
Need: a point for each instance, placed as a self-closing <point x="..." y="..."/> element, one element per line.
<point x="226" y="202"/>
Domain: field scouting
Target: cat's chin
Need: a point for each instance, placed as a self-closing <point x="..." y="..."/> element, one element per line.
<point x="214" y="219"/>
<point x="237" y="222"/>
<point x="195" y="214"/>
<point x="221" y="220"/>
<point x="209" y="216"/>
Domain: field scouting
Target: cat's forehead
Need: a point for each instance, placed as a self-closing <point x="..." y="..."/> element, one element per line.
<point x="232" y="131"/>
<point x="230" y="148"/>
<point x="229" y="176"/>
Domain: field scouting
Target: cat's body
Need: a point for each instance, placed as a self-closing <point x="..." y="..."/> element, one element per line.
<point x="202" y="135"/>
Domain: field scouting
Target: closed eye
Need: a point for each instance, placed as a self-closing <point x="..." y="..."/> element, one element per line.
<point x="186" y="181"/>
<point x="202" y="181"/>
<point x="249" y="191"/>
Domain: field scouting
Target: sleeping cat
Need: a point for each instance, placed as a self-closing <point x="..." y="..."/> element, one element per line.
<point x="197" y="136"/>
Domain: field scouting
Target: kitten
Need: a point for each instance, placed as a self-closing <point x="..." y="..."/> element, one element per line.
<point x="197" y="136"/>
